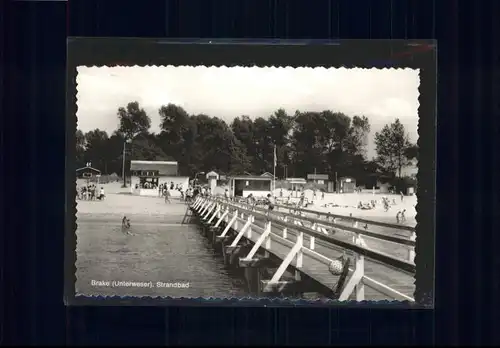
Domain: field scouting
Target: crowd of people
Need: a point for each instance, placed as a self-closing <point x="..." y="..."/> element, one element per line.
<point x="386" y="203"/>
<point x="304" y="202"/>
<point x="90" y="192"/>
<point x="186" y="194"/>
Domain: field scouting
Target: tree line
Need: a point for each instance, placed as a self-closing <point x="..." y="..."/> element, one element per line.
<point x="326" y="142"/>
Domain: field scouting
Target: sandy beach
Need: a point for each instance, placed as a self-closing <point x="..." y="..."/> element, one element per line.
<point x="347" y="205"/>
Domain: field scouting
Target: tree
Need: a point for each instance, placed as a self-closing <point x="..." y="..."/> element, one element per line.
<point x="391" y="144"/>
<point x="96" y="148"/>
<point x="80" y="148"/>
<point x="243" y="130"/>
<point x="357" y="138"/>
<point x="176" y="139"/>
<point x="212" y="147"/>
<point x="262" y="147"/>
<point x="324" y="141"/>
<point x="330" y="142"/>
<point x="114" y="153"/>
<point x="412" y="152"/>
<point x="239" y="160"/>
<point x="145" y="147"/>
<point x="309" y="139"/>
<point x="174" y="122"/>
<point x="280" y="130"/>
<point x="133" y="120"/>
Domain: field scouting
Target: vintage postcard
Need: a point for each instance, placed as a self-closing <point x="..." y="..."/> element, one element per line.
<point x="246" y="182"/>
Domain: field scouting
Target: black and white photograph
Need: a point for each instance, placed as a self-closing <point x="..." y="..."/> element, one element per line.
<point x="246" y="182"/>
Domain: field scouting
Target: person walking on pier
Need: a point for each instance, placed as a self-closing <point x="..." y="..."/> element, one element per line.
<point x="302" y="199"/>
<point x="400" y="216"/>
<point x="269" y="203"/>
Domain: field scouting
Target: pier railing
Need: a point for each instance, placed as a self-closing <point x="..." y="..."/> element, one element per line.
<point x="241" y="217"/>
<point x="326" y="222"/>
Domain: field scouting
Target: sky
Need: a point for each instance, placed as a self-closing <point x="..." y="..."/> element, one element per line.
<point x="380" y="94"/>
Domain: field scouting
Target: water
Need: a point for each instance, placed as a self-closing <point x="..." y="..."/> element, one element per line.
<point x="161" y="252"/>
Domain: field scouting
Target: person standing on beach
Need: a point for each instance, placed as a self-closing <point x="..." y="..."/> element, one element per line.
<point x="167" y="196"/>
<point x="101" y="194"/>
<point x="402" y="195"/>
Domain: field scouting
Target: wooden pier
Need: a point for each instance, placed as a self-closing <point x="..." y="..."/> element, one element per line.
<point x="294" y="251"/>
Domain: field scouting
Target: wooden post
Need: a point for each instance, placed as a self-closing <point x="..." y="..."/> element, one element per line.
<point x="285" y="229"/>
<point x="360" y="286"/>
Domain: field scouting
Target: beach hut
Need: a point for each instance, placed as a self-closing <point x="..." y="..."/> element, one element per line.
<point x="347" y="184"/>
<point x="296" y="184"/>
<point x="320" y="179"/>
<point x="243" y="185"/>
<point x="268" y="175"/>
<point x="87" y="172"/>
<point x="212" y="178"/>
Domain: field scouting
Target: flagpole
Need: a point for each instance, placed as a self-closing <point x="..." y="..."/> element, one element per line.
<point x="274" y="171"/>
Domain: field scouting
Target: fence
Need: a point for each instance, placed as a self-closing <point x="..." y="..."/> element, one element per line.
<point x="326" y="222"/>
<point x="242" y="218"/>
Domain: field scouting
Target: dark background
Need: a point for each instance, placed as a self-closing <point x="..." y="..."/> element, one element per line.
<point x="32" y="135"/>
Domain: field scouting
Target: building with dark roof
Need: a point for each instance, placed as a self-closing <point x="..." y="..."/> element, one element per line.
<point x="87" y="172"/>
<point x="147" y="176"/>
<point x="243" y="185"/>
<point x="317" y="178"/>
<point x="153" y="168"/>
<point x="347" y="184"/>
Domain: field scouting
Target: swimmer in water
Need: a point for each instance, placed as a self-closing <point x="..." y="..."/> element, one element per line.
<point x="126" y="225"/>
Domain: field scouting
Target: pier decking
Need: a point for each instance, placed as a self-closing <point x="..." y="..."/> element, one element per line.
<point x="382" y="268"/>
